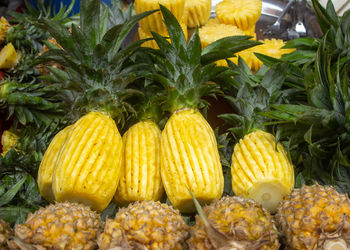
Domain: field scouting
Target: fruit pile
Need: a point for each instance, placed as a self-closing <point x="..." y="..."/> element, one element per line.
<point x="107" y="145"/>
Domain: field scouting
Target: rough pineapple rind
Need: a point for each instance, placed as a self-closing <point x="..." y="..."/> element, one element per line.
<point x="145" y="225"/>
<point x="4" y="25"/>
<point x="190" y="160"/>
<point x="140" y="176"/>
<point x="240" y="220"/>
<point x="313" y="216"/>
<point x="8" y="57"/>
<point x="5" y="234"/>
<point x="48" y="163"/>
<point x="241" y="13"/>
<point x="89" y="164"/>
<point x="60" y="226"/>
<point x="155" y="22"/>
<point x="198" y="12"/>
<point x="255" y="161"/>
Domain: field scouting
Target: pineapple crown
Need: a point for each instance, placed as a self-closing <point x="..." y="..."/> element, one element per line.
<point x="250" y="94"/>
<point x="185" y="71"/>
<point x="99" y="62"/>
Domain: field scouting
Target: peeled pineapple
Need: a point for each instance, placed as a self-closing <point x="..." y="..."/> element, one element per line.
<point x="145" y="225"/>
<point x="315" y="217"/>
<point x="5" y="234"/>
<point x="234" y="223"/>
<point x="190" y="160"/>
<point x="140" y="177"/>
<point x="59" y="226"/>
<point x="8" y="57"/>
<point x="260" y="170"/>
<point x="155" y="22"/>
<point x="48" y="163"/>
<point x="4" y="25"/>
<point x="241" y="13"/>
<point x="8" y="141"/>
<point x="89" y="163"/>
<point x="198" y="12"/>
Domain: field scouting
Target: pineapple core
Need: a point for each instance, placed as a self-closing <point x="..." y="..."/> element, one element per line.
<point x="268" y="194"/>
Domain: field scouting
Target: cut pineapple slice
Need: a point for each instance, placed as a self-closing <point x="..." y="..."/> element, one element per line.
<point x="155" y="22"/>
<point x="198" y="12"/>
<point x="241" y="13"/>
<point x="8" y="57"/>
<point x="3" y="29"/>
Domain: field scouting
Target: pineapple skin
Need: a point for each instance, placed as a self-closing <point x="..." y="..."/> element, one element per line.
<point x="241" y="13"/>
<point x="89" y="163"/>
<point x="198" y="12"/>
<point x="255" y="161"/>
<point x="155" y="22"/>
<point x="312" y="216"/>
<point x="145" y="225"/>
<point x="48" y="163"/>
<point x="60" y="226"/>
<point x="5" y="234"/>
<point x="240" y="220"/>
<point x="140" y="175"/>
<point x="190" y="160"/>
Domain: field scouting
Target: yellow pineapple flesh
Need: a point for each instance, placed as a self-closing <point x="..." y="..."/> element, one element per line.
<point x="89" y="164"/>
<point x="8" y="57"/>
<point x="48" y="163"/>
<point x="235" y="223"/>
<point x="59" y="226"/>
<point x="260" y="170"/>
<point x="241" y="13"/>
<point x="140" y="176"/>
<point x="145" y="225"/>
<point x="4" y="25"/>
<point x="198" y="12"/>
<point x="315" y="217"/>
<point x="190" y="160"/>
<point x="155" y="22"/>
<point x="8" y="141"/>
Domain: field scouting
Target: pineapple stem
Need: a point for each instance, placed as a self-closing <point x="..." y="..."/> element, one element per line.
<point x="335" y="244"/>
<point x="269" y="194"/>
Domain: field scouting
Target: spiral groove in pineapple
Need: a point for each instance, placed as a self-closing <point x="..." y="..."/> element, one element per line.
<point x="198" y="12"/>
<point x="48" y="163"/>
<point x="259" y="171"/>
<point x="190" y="160"/>
<point x="155" y="22"/>
<point x="89" y="164"/>
<point x="140" y="178"/>
<point x="241" y="13"/>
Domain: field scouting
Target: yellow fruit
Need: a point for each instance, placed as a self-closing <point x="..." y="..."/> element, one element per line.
<point x="315" y="217"/>
<point x="59" y="226"/>
<point x="8" y="141"/>
<point x="235" y="223"/>
<point x="260" y="170"/>
<point x="4" y="25"/>
<point x="241" y="13"/>
<point x="198" y="12"/>
<point x="8" y="57"/>
<point x="5" y="234"/>
<point x="190" y="160"/>
<point x="271" y="47"/>
<point x="48" y="163"/>
<point x="155" y="22"/>
<point x="145" y="225"/>
<point x="140" y="176"/>
<point x="89" y="164"/>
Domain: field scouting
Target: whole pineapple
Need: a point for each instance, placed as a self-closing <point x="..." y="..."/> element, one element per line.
<point x="315" y="217"/>
<point x="5" y="234"/>
<point x="189" y="152"/>
<point x="59" y="226"/>
<point x="234" y="223"/>
<point x="145" y="225"/>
